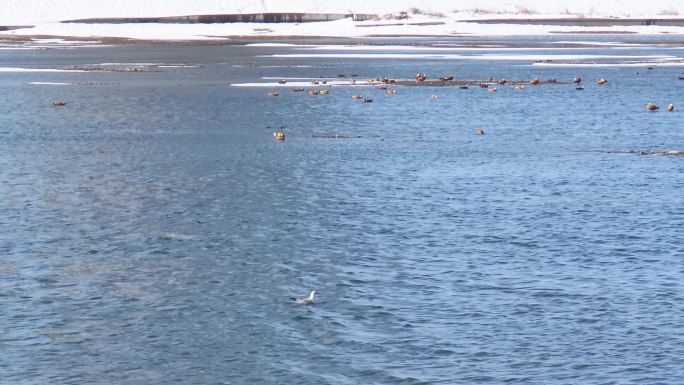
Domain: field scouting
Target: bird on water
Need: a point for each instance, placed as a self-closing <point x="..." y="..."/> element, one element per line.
<point x="305" y="301"/>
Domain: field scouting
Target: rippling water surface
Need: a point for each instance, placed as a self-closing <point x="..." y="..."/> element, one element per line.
<point x="151" y="231"/>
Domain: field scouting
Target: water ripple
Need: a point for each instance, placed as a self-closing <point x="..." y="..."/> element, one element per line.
<point x="152" y="230"/>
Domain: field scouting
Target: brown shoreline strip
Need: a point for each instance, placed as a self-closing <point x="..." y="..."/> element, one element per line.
<point x="584" y="21"/>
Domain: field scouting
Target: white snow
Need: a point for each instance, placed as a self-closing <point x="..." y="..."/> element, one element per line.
<point x="458" y="48"/>
<point x="598" y="43"/>
<point x="45" y="15"/>
<point x="521" y="57"/>
<point x="38" y="11"/>
<point x="626" y="64"/>
<point x="19" y="69"/>
<point x="49" y="84"/>
<point x="334" y="83"/>
<point x="63" y="42"/>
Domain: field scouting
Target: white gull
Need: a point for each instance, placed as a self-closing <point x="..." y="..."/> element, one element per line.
<point x="305" y="301"/>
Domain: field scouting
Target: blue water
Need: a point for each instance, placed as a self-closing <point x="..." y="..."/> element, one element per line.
<point x="152" y="231"/>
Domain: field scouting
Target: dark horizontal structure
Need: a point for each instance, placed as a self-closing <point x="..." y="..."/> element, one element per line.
<point x="583" y="21"/>
<point x="11" y="27"/>
<point x="228" y="18"/>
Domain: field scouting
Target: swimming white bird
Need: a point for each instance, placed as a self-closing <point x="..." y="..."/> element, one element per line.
<point x="305" y="301"/>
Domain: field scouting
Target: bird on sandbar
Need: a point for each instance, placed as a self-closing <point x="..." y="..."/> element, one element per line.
<point x="305" y="301"/>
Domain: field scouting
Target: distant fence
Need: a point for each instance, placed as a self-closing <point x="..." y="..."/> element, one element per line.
<point x="229" y="18"/>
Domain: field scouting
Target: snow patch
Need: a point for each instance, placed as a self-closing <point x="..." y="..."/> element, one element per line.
<point x="521" y="57"/>
<point x="49" y="84"/>
<point x="336" y="83"/>
<point x="21" y="12"/>
<point x="602" y="65"/>
<point x="19" y="69"/>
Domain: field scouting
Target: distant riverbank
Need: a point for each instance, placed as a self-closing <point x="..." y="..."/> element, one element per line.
<point x="217" y="20"/>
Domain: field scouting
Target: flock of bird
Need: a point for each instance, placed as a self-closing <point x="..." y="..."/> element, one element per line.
<point x="422" y="78"/>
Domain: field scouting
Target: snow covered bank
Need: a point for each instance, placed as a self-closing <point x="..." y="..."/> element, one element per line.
<point x="17" y="12"/>
<point x="341" y="28"/>
<point x="425" y="17"/>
